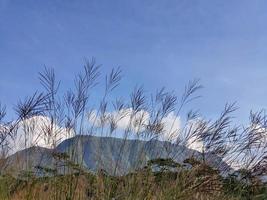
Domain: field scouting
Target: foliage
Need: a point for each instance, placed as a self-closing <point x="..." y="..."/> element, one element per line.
<point x="195" y="183"/>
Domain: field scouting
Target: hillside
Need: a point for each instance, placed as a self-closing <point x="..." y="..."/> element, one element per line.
<point x="113" y="155"/>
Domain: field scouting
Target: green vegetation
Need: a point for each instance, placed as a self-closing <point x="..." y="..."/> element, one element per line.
<point x="194" y="183"/>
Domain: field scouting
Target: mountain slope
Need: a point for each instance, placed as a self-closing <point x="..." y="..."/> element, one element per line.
<point x="113" y="155"/>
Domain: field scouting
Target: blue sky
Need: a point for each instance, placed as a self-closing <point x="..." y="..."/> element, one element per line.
<point x="156" y="43"/>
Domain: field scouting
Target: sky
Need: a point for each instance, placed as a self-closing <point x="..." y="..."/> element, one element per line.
<point x="156" y="43"/>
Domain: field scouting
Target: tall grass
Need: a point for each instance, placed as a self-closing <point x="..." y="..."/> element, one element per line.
<point x="144" y="119"/>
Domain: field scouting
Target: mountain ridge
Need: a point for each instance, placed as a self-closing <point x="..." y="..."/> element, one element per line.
<point x="116" y="156"/>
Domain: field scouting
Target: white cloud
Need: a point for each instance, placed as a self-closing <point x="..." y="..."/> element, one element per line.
<point x="194" y="141"/>
<point x="258" y="142"/>
<point x="36" y="131"/>
<point x="40" y="131"/>
<point x="137" y="123"/>
<point x="125" y="118"/>
<point x="172" y="126"/>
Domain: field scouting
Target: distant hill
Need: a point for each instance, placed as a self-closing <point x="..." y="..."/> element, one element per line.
<point x="113" y="155"/>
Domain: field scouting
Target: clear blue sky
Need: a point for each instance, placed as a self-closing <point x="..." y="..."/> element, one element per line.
<point x="156" y="43"/>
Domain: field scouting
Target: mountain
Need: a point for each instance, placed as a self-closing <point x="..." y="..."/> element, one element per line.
<point x="115" y="156"/>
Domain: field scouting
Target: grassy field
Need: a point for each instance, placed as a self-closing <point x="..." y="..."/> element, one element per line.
<point x="199" y="182"/>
